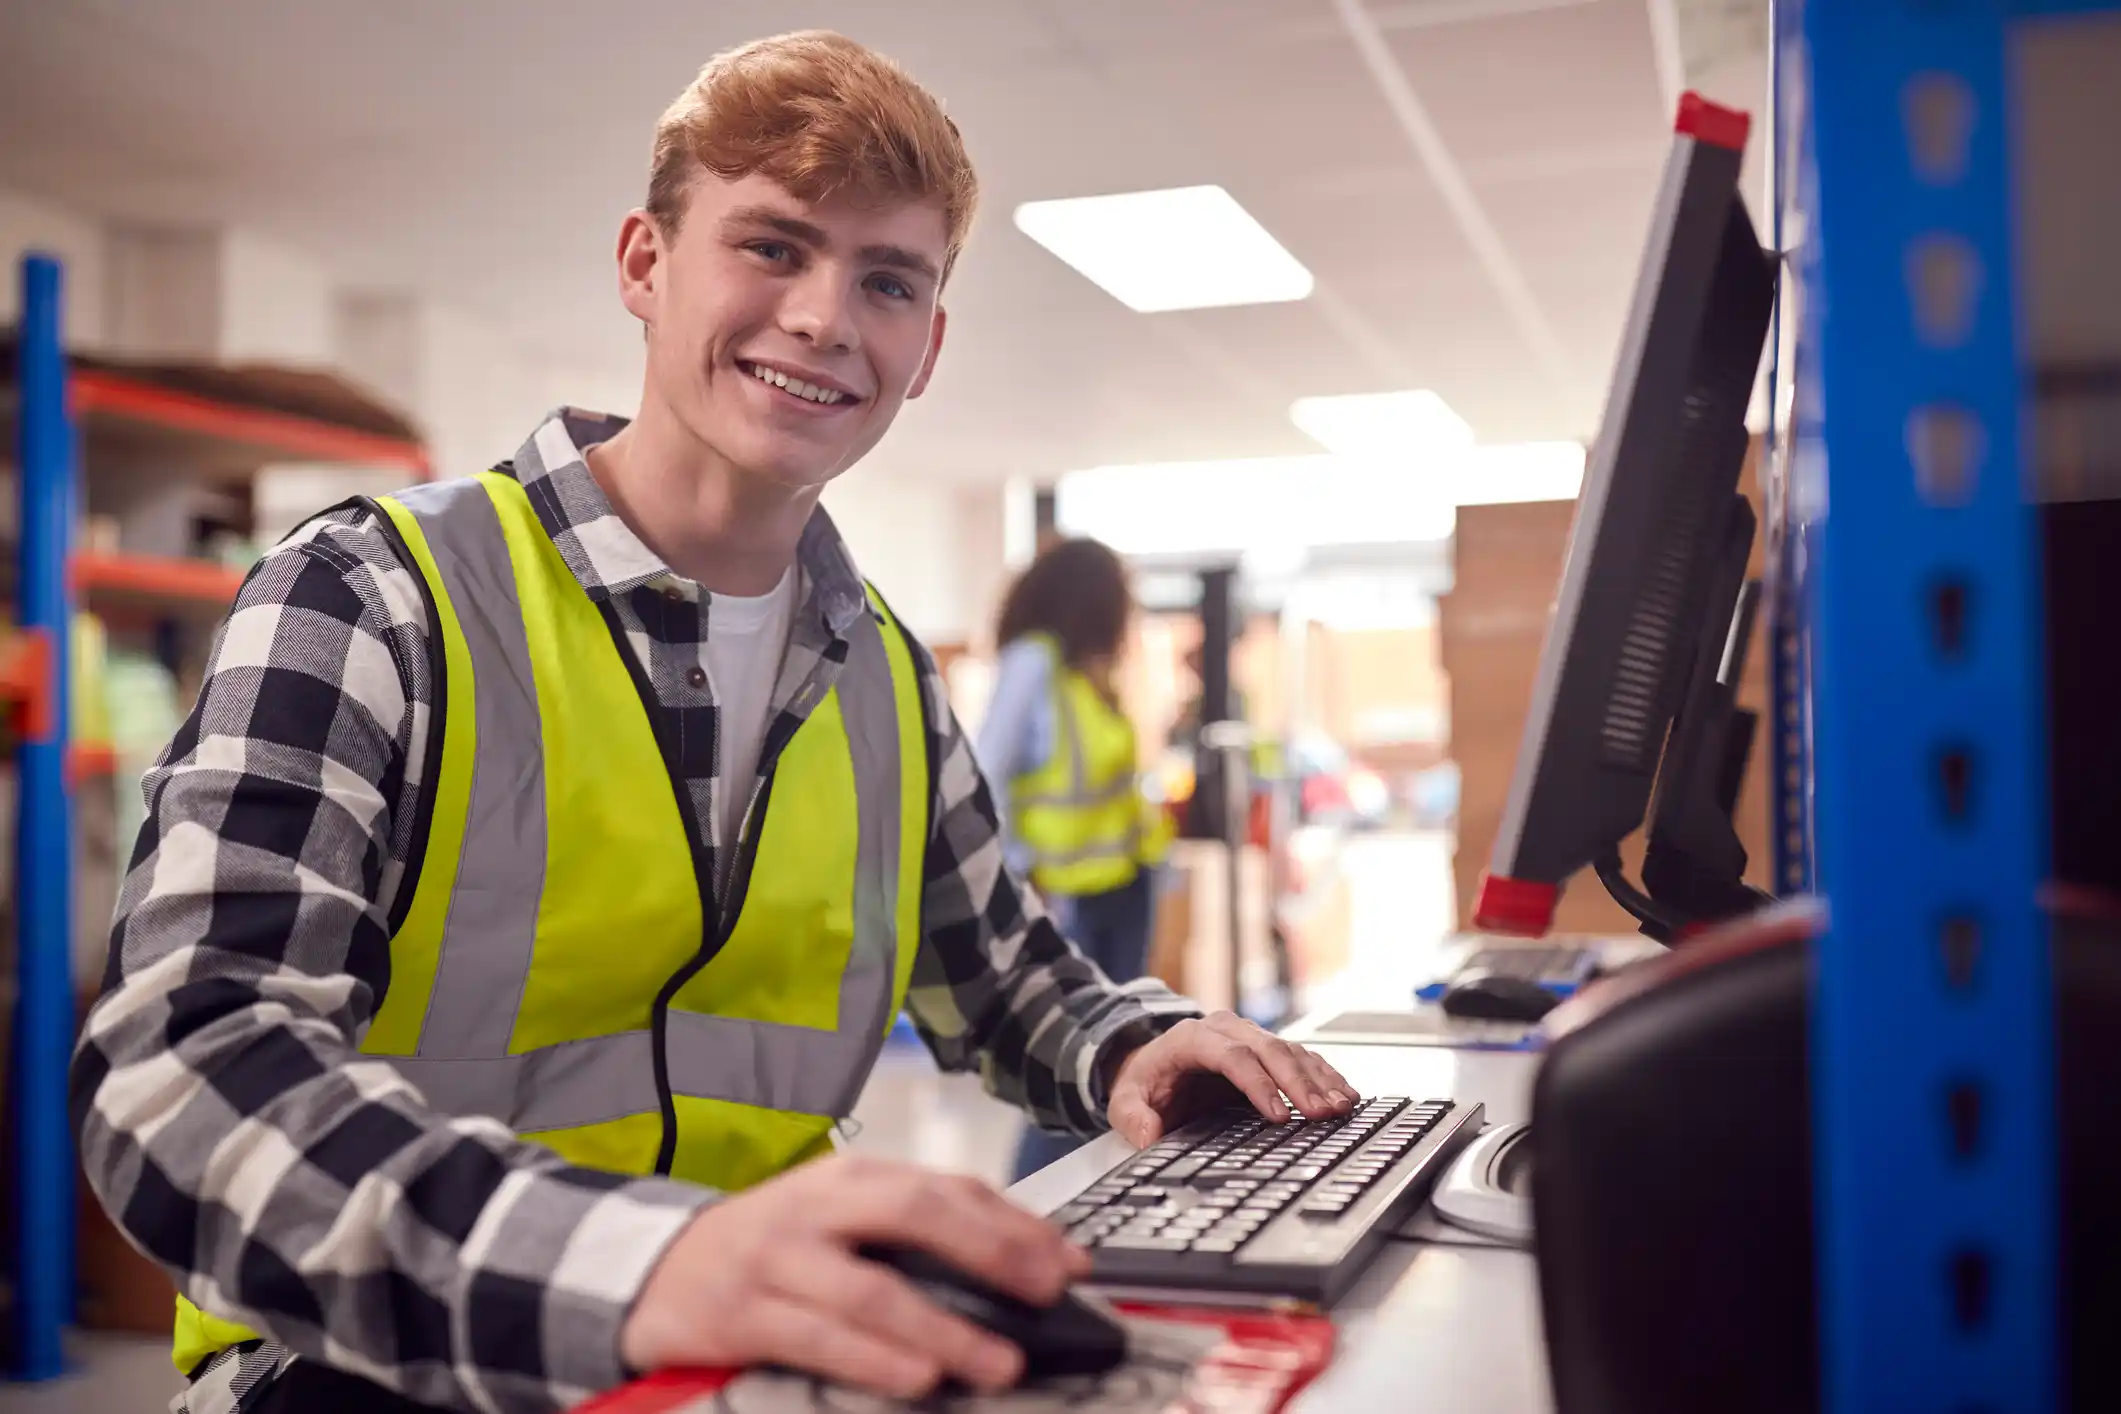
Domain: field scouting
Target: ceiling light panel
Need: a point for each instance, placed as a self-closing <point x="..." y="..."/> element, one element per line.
<point x="1414" y="425"/>
<point x="1179" y="248"/>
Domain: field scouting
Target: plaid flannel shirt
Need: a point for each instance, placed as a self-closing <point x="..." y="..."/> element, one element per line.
<point x="234" y="1131"/>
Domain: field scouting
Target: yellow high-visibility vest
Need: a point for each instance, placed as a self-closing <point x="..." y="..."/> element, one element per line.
<point x="560" y="893"/>
<point x="1081" y="813"/>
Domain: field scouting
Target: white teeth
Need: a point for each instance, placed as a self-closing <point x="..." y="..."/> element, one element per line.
<point x="797" y="386"/>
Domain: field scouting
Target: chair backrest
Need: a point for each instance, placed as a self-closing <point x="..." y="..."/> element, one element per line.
<point x="1672" y="1176"/>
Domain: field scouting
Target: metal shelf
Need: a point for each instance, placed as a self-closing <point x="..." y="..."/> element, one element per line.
<point x="175" y="586"/>
<point x="1911" y="762"/>
<point x="126" y="420"/>
<point x="67" y="416"/>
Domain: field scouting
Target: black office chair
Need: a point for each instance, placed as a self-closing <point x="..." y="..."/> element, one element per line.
<point x="1672" y="1176"/>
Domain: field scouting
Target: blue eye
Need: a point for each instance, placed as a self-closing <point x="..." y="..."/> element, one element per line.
<point x="769" y="250"/>
<point x="891" y="287"/>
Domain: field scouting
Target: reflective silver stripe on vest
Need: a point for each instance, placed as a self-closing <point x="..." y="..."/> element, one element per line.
<point x="1079" y="795"/>
<point x="493" y="911"/>
<point x="1120" y="789"/>
<point x="554" y="1087"/>
<point x="462" y="1064"/>
<point x="797" y="1067"/>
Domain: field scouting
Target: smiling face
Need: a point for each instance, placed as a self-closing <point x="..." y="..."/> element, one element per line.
<point x="784" y="335"/>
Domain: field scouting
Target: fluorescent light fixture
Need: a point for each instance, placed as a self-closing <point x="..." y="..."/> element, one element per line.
<point x="1521" y="471"/>
<point x="1261" y="503"/>
<point x="1181" y="248"/>
<point x="1414" y="425"/>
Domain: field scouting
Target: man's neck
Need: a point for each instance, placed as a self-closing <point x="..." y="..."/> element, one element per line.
<point x="734" y="534"/>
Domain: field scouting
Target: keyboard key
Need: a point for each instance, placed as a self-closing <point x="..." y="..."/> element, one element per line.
<point x="1072" y="1214"/>
<point x="1127" y="1242"/>
<point x="1216" y="1245"/>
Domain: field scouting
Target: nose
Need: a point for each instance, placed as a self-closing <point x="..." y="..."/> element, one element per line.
<point x="818" y="308"/>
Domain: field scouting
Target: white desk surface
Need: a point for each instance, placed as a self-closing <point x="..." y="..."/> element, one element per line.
<point x="1427" y="1327"/>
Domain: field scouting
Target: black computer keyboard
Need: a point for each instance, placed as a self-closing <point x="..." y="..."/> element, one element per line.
<point x="1233" y="1203"/>
<point x="1533" y="964"/>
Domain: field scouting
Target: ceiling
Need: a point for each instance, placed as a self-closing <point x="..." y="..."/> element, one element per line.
<point x="484" y="151"/>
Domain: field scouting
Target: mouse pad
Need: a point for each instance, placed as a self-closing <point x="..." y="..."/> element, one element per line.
<point x="1178" y="1362"/>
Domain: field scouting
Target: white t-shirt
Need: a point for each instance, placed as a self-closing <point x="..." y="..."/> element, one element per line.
<point x="745" y="641"/>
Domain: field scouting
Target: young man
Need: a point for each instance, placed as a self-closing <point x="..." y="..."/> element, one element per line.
<point x="534" y="882"/>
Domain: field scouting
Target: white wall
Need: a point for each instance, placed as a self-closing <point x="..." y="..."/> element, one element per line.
<point x="277" y="303"/>
<point x="909" y="539"/>
<point x="476" y="393"/>
<point x="28" y="224"/>
<point x="938" y="551"/>
<point x="165" y="290"/>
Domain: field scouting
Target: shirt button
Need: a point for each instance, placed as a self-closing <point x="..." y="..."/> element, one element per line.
<point x="674" y="594"/>
<point x="696" y="676"/>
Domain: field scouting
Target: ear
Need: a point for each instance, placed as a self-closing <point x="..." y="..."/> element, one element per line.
<point x="935" y="346"/>
<point x="640" y="265"/>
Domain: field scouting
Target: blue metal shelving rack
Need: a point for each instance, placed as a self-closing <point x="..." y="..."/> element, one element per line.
<point x="44" y="885"/>
<point x="1910" y="671"/>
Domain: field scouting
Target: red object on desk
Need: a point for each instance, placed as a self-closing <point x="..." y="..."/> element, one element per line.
<point x="1265" y="1360"/>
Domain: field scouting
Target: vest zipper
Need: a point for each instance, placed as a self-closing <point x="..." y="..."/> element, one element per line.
<point x="724" y="907"/>
<point x="725" y="916"/>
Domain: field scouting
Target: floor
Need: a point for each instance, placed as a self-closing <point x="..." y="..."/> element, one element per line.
<point x="1400" y="905"/>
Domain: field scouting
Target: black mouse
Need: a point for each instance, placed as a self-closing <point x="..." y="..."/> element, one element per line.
<point x="1070" y="1337"/>
<point x="1497" y="996"/>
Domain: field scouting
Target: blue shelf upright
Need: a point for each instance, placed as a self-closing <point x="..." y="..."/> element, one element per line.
<point x="1914" y="541"/>
<point x="44" y="883"/>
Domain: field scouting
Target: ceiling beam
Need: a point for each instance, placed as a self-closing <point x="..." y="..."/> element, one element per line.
<point x="1668" y="52"/>
<point x="1436" y="157"/>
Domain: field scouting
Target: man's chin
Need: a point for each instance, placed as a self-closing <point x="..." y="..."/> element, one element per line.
<point x="797" y="471"/>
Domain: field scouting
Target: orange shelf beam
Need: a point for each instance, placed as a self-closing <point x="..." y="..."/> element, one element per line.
<point x="300" y="438"/>
<point x="26" y="683"/>
<point x="195" y="581"/>
<point x="88" y="763"/>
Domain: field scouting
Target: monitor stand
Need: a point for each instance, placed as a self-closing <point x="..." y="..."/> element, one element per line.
<point x="1693" y="868"/>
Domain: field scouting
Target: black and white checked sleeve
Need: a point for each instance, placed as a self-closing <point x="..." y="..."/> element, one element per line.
<point x="227" y="1121"/>
<point x="995" y="985"/>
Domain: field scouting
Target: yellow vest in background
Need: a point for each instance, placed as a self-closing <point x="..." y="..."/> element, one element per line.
<point x="560" y="895"/>
<point x="1082" y="814"/>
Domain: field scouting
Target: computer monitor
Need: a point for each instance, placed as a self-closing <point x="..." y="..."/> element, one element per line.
<point x="1641" y="658"/>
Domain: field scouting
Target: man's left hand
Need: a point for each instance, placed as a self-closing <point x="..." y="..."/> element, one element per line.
<point x="1217" y="1061"/>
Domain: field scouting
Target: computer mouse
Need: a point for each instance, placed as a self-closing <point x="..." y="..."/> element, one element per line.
<point x="1070" y="1337"/>
<point x="1497" y="996"/>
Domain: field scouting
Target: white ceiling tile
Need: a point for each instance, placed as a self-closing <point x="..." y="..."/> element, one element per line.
<point x="1532" y="82"/>
<point x="484" y="151"/>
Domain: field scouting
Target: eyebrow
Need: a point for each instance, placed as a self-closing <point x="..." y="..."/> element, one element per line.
<point x="813" y="235"/>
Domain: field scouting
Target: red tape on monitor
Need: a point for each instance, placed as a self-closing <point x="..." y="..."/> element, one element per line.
<point x="1712" y="123"/>
<point x="1515" y="906"/>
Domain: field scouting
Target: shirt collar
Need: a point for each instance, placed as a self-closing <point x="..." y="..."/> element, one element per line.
<point x="609" y="559"/>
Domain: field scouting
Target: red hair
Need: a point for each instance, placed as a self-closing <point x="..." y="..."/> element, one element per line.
<point x="823" y="116"/>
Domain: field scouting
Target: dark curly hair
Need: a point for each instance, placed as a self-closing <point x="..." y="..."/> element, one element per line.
<point x="1077" y="591"/>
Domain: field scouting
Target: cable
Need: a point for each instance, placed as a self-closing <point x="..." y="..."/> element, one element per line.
<point x="1657" y="923"/>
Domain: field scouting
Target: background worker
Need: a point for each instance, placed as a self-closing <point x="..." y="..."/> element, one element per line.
<point x="1062" y="751"/>
<point x="531" y="889"/>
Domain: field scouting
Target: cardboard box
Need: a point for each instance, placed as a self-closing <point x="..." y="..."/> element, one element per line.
<point x="1491" y="630"/>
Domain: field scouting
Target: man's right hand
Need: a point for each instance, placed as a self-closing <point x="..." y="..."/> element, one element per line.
<point x="770" y="1276"/>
